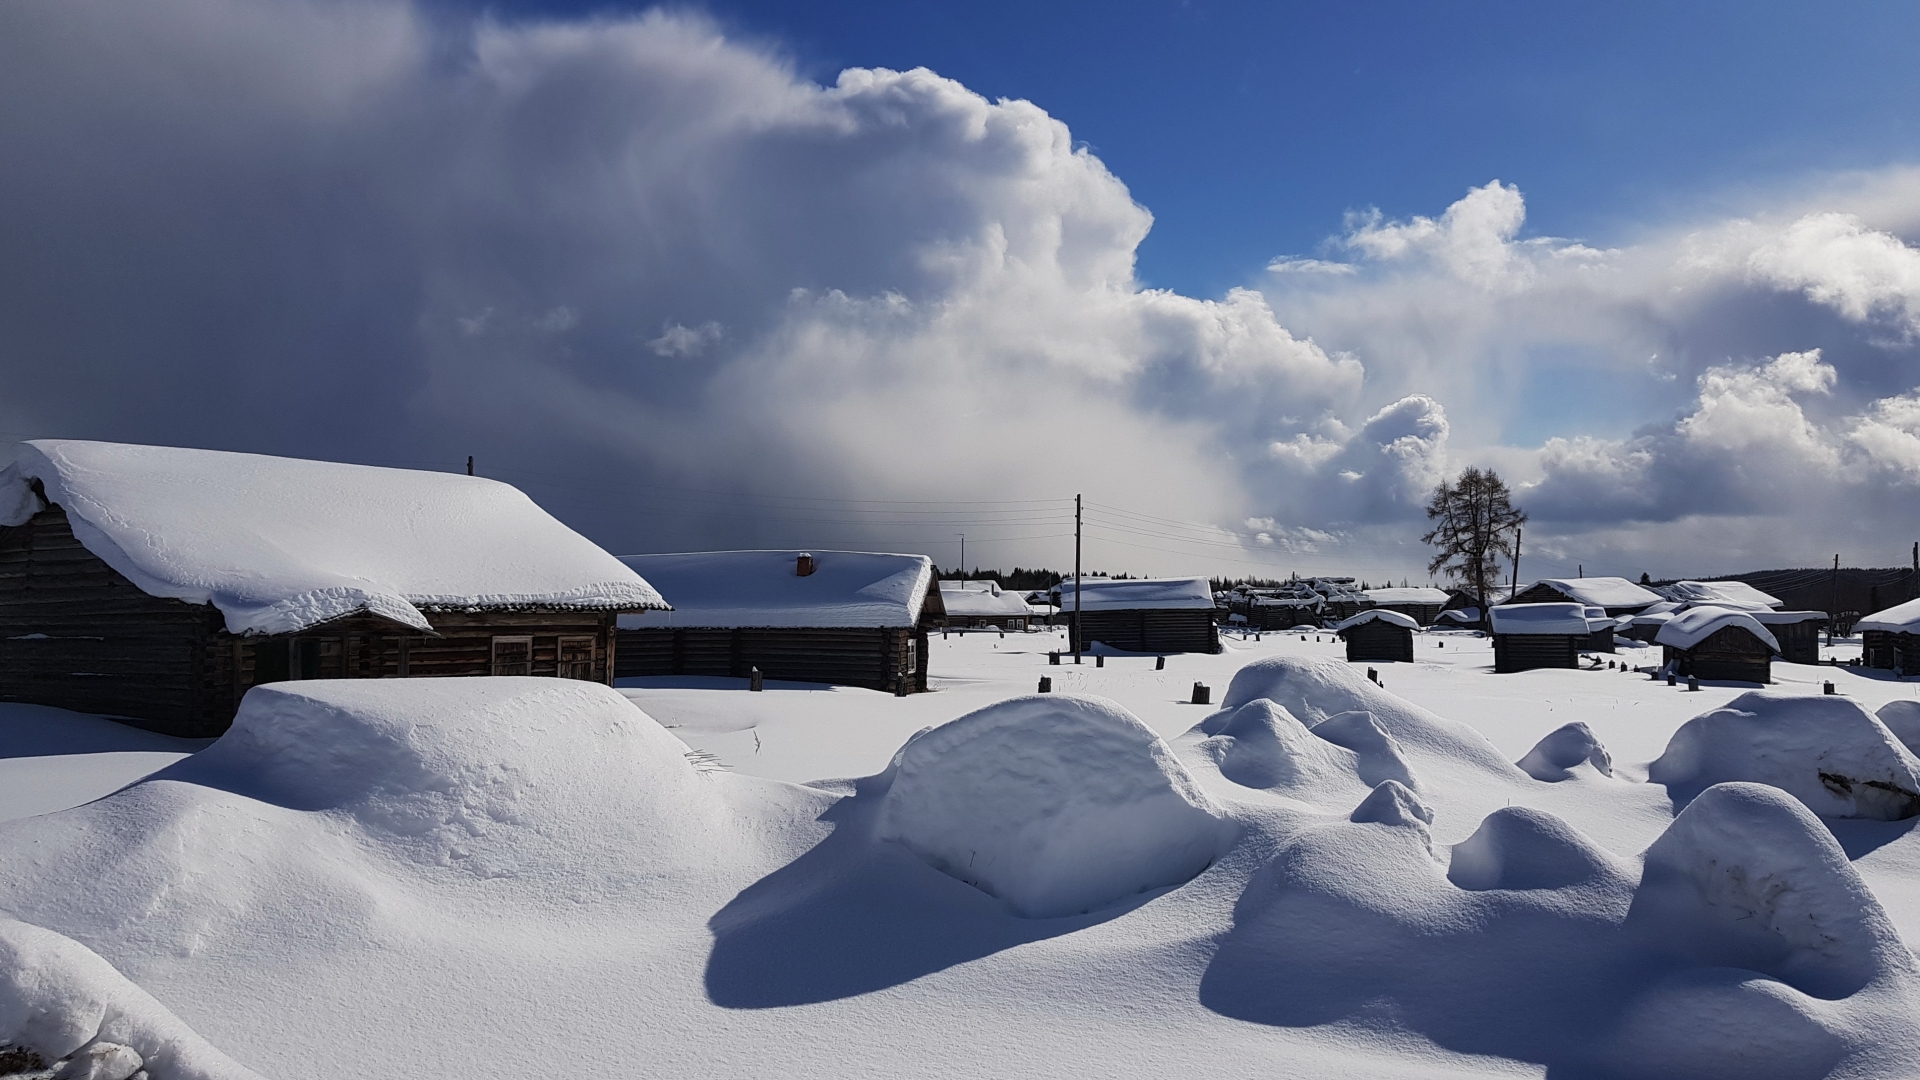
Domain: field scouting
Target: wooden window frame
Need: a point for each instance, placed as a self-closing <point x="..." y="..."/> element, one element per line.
<point x="592" y="643"/>
<point x="493" y="654"/>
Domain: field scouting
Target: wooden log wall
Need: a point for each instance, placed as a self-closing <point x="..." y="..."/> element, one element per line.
<point x="76" y="634"/>
<point x="1799" y="642"/>
<point x="1524" y="652"/>
<point x="1150" y="630"/>
<point x="878" y="659"/>
<point x="1379" y="640"/>
<point x="1729" y="654"/>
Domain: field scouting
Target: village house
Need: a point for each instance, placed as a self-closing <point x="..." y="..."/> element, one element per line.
<point x="1718" y="643"/>
<point x="1796" y="632"/>
<point x="851" y="618"/>
<point x="1542" y="635"/>
<point x="1617" y="595"/>
<point x="1728" y="594"/>
<point x="1378" y="634"/>
<point x="982" y="604"/>
<point x="1421" y="604"/>
<point x="157" y="584"/>
<point x="1890" y="639"/>
<point x="1153" y="615"/>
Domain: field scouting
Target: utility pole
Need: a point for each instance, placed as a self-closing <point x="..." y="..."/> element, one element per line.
<point x="1076" y="579"/>
<point x="963" y="558"/>
<point x="1833" y="603"/>
<point x="1518" y="532"/>
<point x="1916" y="569"/>
<point x="469" y="464"/>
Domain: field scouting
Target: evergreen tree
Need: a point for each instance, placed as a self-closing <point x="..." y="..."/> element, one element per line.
<point x="1475" y="526"/>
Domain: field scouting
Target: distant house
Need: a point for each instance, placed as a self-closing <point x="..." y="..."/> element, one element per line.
<point x="1545" y="635"/>
<point x="1646" y="625"/>
<point x="1422" y="605"/>
<point x="158" y="584"/>
<point x="1379" y="634"/>
<point x="1890" y="639"/>
<point x="1141" y="614"/>
<point x="1728" y="594"/>
<point x="1617" y="595"/>
<point x="1600" y="630"/>
<point x="853" y="618"/>
<point x="1467" y="618"/>
<point x="1796" y="632"/>
<point x="983" y="604"/>
<point x="1719" y="643"/>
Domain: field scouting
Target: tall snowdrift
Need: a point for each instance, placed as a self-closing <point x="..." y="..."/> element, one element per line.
<point x="1902" y="717"/>
<point x="60" y="1001"/>
<point x="1827" y="751"/>
<point x="1565" y="749"/>
<point x="1262" y="745"/>
<point x="1318" y="688"/>
<point x="280" y="544"/>
<point x="1056" y="804"/>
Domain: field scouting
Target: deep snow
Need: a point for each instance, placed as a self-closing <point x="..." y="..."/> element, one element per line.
<point x="1438" y="877"/>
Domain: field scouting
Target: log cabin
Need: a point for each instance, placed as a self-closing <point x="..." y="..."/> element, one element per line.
<point x="1890" y="639"/>
<point x="1617" y="595"/>
<point x="1797" y="632"/>
<point x="1421" y="604"/>
<point x="983" y="604"/>
<point x="1546" y="635"/>
<point x="1718" y="643"/>
<point x="850" y="618"/>
<point x="1148" y="615"/>
<point x="1379" y="634"/>
<point x="156" y="585"/>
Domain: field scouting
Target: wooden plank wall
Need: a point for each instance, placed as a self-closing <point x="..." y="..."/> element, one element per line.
<point x="1151" y="630"/>
<point x="1729" y="653"/>
<point x="852" y="656"/>
<point x="1524" y="652"/>
<point x="1379" y="640"/>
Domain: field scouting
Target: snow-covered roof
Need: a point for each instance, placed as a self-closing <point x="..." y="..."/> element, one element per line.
<point x="1540" y="619"/>
<point x="1465" y="614"/>
<point x="1787" y="618"/>
<point x="1732" y="594"/>
<point x="1379" y="615"/>
<point x="281" y="544"/>
<point x="1898" y="619"/>
<point x="725" y="589"/>
<point x="1652" y="618"/>
<point x="1602" y="591"/>
<point x="1695" y="625"/>
<point x="1421" y="595"/>
<point x="1126" y="594"/>
<point x="980" y="598"/>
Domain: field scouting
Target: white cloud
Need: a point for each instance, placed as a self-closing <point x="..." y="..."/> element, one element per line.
<point x="678" y="340"/>
<point x="1839" y="262"/>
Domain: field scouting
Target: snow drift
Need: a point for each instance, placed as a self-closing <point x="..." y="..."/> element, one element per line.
<point x="1827" y="751"/>
<point x="1565" y="749"/>
<point x="1055" y="804"/>
<point x="62" y="1003"/>
<point x="1262" y="745"/>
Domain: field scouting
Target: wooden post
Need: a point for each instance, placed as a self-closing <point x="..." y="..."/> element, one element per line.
<point x="1076" y="579"/>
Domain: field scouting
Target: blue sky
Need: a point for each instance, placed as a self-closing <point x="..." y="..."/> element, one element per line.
<point x="1248" y="129"/>
<point x="737" y="276"/>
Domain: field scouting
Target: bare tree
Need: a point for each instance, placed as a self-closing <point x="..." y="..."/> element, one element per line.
<point x="1475" y="527"/>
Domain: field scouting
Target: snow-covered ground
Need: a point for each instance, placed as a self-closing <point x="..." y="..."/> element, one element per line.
<point x="1313" y="876"/>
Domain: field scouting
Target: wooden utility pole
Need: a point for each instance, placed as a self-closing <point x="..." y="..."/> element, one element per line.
<point x="1517" y="532"/>
<point x="1833" y="602"/>
<point x="469" y="464"/>
<point x="1076" y="579"/>
<point x="963" y="558"/>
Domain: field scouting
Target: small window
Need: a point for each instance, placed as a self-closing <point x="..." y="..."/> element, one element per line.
<point x="913" y="656"/>
<point x="576" y="658"/>
<point x="513" y="656"/>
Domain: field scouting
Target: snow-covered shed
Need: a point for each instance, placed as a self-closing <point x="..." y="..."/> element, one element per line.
<point x="158" y="584"/>
<point x="1422" y="604"/>
<point x="1729" y="594"/>
<point x="1718" y="643"/>
<point x="1379" y="634"/>
<point x="854" y="618"/>
<point x="1527" y="636"/>
<point x="1646" y="625"/>
<point x="1600" y="629"/>
<point x="1158" y="615"/>
<point x="1618" y="595"/>
<point x="1797" y="632"/>
<point x="1890" y="639"/>
<point x="983" y="603"/>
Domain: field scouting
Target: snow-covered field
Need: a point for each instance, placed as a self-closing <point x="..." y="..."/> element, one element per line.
<point x="1312" y="877"/>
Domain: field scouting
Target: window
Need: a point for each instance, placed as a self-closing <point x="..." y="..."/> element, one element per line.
<point x="576" y="658"/>
<point x="513" y="656"/>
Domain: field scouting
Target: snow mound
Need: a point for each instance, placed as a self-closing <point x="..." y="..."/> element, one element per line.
<point x="1747" y="877"/>
<point x="1315" y="689"/>
<point x="1554" y="758"/>
<point x="1724" y="1024"/>
<point x="1262" y="745"/>
<point x="1384" y="615"/>
<point x="1392" y="803"/>
<point x="60" y="1001"/>
<point x="1380" y="756"/>
<point x="1518" y="847"/>
<point x="1827" y="751"/>
<point x="1903" y="719"/>
<point x="1055" y="804"/>
<point x="504" y="777"/>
